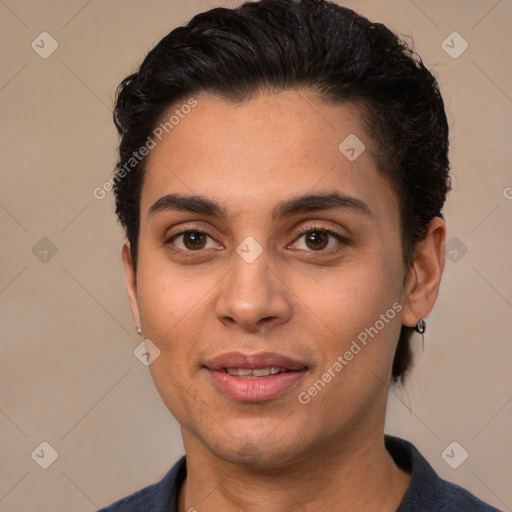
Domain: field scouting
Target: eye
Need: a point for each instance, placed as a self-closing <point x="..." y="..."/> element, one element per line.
<point x="316" y="239"/>
<point x="192" y="240"/>
<point x="319" y="239"/>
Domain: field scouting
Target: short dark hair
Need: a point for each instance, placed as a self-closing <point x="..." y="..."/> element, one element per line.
<point x="315" y="45"/>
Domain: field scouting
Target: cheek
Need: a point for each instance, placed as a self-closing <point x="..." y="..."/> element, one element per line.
<point x="353" y="298"/>
<point x="173" y="314"/>
<point x="168" y="296"/>
<point x="178" y="392"/>
<point x="362" y="308"/>
<point x="166" y="304"/>
<point x="362" y="311"/>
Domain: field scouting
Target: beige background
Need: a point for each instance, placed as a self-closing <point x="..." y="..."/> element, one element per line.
<point x="68" y="375"/>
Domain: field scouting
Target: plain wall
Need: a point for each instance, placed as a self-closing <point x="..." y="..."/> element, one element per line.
<point x="68" y="375"/>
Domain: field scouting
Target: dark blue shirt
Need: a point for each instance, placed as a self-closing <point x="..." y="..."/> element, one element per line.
<point x="427" y="492"/>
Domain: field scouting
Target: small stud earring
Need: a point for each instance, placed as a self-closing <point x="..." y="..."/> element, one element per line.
<point x="139" y="330"/>
<point x="420" y="328"/>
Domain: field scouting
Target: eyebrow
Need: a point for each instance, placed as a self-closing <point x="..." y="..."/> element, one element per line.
<point x="293" y="206"/>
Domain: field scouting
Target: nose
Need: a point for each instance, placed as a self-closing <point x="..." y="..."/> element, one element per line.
<point x="252" y="297"/>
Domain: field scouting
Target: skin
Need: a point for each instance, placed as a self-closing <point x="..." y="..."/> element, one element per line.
<point x="296" y="299"/>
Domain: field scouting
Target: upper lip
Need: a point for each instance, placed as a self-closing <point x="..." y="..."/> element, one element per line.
<point x="251" y="361"/>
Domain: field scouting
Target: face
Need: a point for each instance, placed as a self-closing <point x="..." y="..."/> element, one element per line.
<point x="316" y="280"/>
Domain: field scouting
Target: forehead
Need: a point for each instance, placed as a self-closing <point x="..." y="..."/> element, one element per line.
<point x="250" y="156"/>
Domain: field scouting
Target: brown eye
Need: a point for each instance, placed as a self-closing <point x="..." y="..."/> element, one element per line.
<point x="192" y="240"/>
<point x="317" y="239"/>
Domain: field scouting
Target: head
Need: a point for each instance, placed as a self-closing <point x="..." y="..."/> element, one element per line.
<point x="249" y="108"/>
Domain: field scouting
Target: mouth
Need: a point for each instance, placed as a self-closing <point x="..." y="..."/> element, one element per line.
<point x="254" y="377"/>
<point x="254" y="373"/>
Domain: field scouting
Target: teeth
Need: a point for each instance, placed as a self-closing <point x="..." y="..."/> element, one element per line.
<point x="261" y="372"/>
<point x="239" y="371"/>
<point x="254" y="372"/>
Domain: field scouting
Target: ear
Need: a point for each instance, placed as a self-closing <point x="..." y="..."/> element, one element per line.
<point x="424" y="277"/>
<point x="131" y="282"/>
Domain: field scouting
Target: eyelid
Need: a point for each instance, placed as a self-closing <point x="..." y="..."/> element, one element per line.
<point x="320" y="227"/>
<point x="342" y="239"/>
<point x="298" y="233"/>
<point x="168" y="239"/>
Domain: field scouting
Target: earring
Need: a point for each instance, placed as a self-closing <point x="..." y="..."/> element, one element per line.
<point x="139" y="330"/>
<point x="420" y="328"/>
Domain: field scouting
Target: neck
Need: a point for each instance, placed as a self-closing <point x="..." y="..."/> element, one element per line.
<point x="353" y="473"/>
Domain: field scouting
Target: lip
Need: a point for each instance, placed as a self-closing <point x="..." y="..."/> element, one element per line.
<point x="250" y="361"/>
<point x="258" y="389"/>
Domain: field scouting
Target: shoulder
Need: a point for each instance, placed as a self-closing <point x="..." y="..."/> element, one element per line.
<point x="158" y="497"/>
<point x="137" y="502"/>
<point x="458" y="498"/>
<point x="427" y="491"/>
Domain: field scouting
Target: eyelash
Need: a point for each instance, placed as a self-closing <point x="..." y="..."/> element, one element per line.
<point x="306" y="229"/>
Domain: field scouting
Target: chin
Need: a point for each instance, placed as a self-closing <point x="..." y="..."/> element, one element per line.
<point x="260" y="451"/>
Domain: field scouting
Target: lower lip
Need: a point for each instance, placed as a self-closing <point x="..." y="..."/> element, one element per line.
<point x="255" y="390"/>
